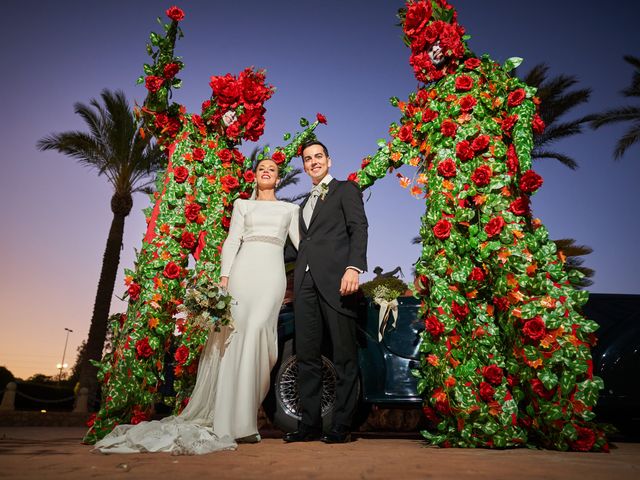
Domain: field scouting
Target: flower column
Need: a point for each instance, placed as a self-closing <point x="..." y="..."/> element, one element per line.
<point x="506" y="351"/>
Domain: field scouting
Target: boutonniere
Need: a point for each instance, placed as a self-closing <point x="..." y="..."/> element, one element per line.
<point x="324" y="189"/>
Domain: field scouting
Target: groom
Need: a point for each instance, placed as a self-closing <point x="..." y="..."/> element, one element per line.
<point x="331" y="256"/>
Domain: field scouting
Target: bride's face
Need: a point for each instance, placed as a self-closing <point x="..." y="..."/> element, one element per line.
<point x="266" y="175"/>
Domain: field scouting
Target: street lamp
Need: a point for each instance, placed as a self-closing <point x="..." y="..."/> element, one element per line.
<point x="63" y="365"/>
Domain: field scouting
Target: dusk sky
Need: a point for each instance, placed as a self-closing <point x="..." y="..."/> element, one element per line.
<point x="343" y="58"/>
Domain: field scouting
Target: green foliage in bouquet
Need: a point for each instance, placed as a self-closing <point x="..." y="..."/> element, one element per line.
<point x="207" y="305"/>
<point x="205" y="174"/>
<point x="505" y="352"/>
<point x="385" y="288"/>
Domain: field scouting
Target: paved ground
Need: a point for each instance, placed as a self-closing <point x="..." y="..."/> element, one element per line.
<point x="56" y="452"/>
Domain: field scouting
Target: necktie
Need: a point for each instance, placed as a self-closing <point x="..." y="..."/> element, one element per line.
<point x="311" y="204"/>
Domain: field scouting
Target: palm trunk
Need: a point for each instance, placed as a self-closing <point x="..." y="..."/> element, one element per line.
<point x="99" y="319"/>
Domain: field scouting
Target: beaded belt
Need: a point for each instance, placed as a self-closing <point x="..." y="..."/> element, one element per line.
<point x="265" y="239"/>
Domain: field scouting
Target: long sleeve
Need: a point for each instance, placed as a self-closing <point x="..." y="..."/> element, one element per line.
<point x="234" y="238"/>
<point x="357" y="226"/>
<point x="294" y="227"/>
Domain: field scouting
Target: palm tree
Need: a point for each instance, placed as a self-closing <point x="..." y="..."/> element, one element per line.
<point x="115" y="148"/>
<point x="572" y="254"/>
<point x="556" y="99"/>
<point x="624" y="114"/>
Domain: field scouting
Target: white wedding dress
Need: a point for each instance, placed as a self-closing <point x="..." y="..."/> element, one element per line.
<point x="234" y="371"/>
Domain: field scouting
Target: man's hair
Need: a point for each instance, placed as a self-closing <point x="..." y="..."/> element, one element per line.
<point x="308" y="144"/>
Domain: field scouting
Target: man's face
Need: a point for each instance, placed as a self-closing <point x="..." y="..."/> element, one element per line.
<point x="316" y="163"/>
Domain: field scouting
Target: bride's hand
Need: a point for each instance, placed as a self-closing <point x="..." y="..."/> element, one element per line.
<point x="224" y="281"/>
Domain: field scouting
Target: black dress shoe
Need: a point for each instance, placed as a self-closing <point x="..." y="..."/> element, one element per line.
<point x="302" y="435"/>
<point x="335" y="436"/>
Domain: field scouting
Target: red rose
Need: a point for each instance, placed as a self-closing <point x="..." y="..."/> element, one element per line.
<point x="486" y="392"/>
<point x="205" y="105"/>
<point x="249" y="176"/>
<point x="417" y="18"/>
<point x="188" y="241"/>
<point x="170" y="70"/>
<point x="254" y="91"/>
<point x="441" y="401"/>
<point x="508" y="123"/>
<point x="197" y="121"/>
<point x="537" y="124"/>
<point x="238" y="157"/>
<point x="447" y="168"/>
<point x="321" y="118"/>
<point x="534" y="329"/>
<point x="494" y="226"/>
<point x="585" y="441"/>
<point x="464" y="83"/>
<point x="353" y="177"/>
<point x="134" y="291"/>
<point x="501" y="303"/>
<point x="278" y="157"/>
<point x="530" y="181"/>
<point x="429" y="115"/>
<point x="180" y="174"/>
<point x="472" y="63"/>
<point x="434" y="326"/>
<point x="233" y="130"/>
<point x="227" y="90"/>
<point x="182" y="354"/>
<point x="492" y="374"/>
<point x="539" y="389"/>
<point x="229" y="182"/>
<point x="448" y="128"/>
<point x="171" y="271"/>
<point x="174" y="13"/>
<point x="480" y="143"/>
<point x="153" y="83"/>
<point x="481" y="175"/>
<point x="442" y="229"/>
<point x="520" y="206"/>
<point x="516" y="97"/>
<point x="464" y="151"/>
<point x="467" y="103"/>
<point x="226" y="222"/>
<point x="191" y="211"/>
<point x="477" y="274"/>
<point x="92" y="419"/>
<point x="198" y="154"/>
<point x="225" y="156"/>
<point x="143" y="349"/>
<point x="138" y="416"/>
<point x="405" y="133"/>
<point x="253" y="123"/>
<point x="513" y="164"/>
<point x="460" y="311"/>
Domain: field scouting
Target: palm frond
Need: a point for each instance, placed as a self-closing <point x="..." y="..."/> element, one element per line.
<point x="616" y="115"/>
<point x="566" y="160"/>
<point x="630" y="137"/>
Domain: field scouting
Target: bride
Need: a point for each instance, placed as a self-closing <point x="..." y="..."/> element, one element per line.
<point x="234" y="370"/>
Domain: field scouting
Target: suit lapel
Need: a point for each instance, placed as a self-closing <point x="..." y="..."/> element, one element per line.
<point x="303" y="225"/>
<point x="320" y="203"/>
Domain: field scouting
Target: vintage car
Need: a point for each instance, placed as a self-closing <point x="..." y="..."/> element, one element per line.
<point x="386" y="362"/>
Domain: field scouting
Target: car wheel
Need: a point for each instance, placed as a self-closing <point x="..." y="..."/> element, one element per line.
<point x="286" y="402"/>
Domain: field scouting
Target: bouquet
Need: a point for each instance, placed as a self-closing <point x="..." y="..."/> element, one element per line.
<point x="207" y="305"/>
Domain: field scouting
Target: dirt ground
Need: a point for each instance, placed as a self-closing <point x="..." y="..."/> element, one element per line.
<point x="56" y="452"/>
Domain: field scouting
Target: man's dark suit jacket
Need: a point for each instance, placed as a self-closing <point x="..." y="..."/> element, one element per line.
<point x="335" y="239"/>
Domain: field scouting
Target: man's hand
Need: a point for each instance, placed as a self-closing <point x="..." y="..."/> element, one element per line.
<point x="224" y="281"/>
<point x="350" y="282"/>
